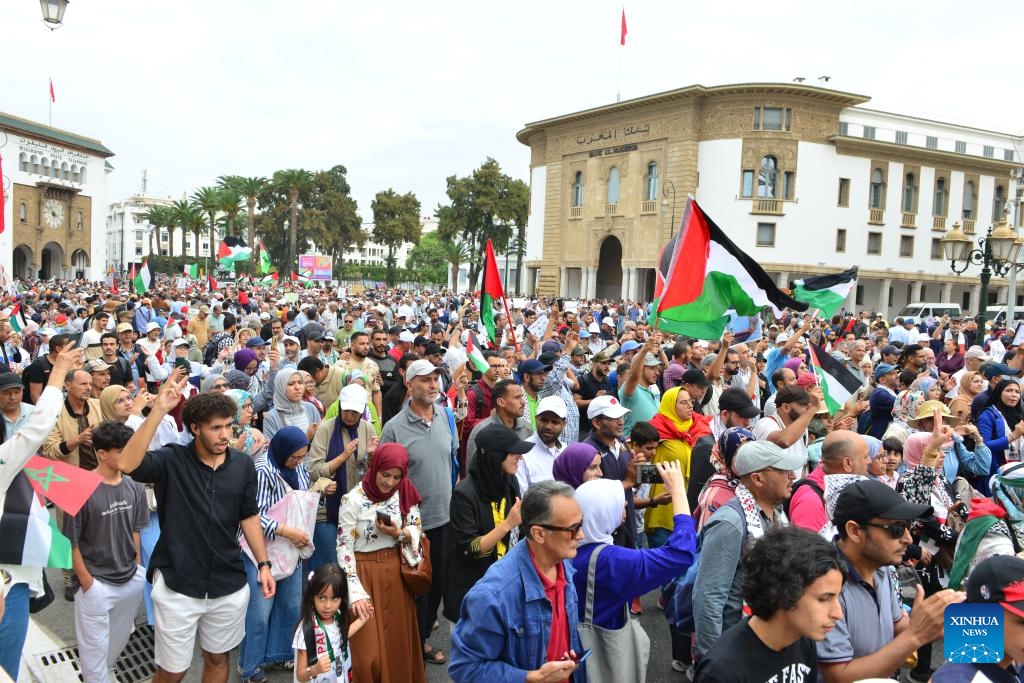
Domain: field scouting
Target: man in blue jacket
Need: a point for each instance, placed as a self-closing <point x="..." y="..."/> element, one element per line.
<point x="519" y="622"/>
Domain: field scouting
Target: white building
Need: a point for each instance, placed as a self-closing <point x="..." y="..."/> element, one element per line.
<point x="374" y="254"/>
<point x="130" y="235"/>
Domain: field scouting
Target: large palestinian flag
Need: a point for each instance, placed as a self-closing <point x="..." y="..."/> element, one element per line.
<point x="826" y="292"/>
<point x="142" y="280"/>
<point x="231" y="250"/>
<point x="702" y="275"/>
<point x="837" y="383"/>
<point x="490" y="292"/>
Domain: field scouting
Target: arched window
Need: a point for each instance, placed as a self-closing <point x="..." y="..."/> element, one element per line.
<point x="65" y="171"/>
<point x="939" y="203"/>
<point x="612" y="194"/>
<point x="768" y="177"/>
<point x="35" y="164"/>
<point x="651" y="182"/>
<point x="83" y="174"/>
<point x="22" y="212"/>
<point x="44" y="166"/>
<point x="76" y="175"/>
<point x="23" y="162"/>
<point x="970" y="197"/>
<point x="998" y="203"/>
<point x="909" y="190"/>
<point x="877" y="194"/>
<point x="577" y="188"/>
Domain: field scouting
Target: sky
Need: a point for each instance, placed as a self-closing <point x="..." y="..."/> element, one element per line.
<point x="404" y="94"/>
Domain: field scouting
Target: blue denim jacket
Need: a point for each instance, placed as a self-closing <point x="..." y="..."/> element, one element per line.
<point x="505" y="623"/>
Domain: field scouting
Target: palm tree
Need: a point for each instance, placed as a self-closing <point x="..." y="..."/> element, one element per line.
<point x="249" y="188"/>
<point x="189" y="217"/>
<point x="293" y="182"/>
<point x="456" y="253"/>
<point x="516" y="247"/>
<point x="209" y="201"/>
<point x="159" y="217"/>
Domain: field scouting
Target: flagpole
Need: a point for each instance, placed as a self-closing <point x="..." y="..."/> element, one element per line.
<point x="618" y="86"/>
<point x="49" y="102"/>
<point x="508" y="324"/>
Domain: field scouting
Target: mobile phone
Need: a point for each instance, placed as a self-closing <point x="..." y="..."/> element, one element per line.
<point x="384" y="518"/>
<point x="183" y="364"/>
<point x="647" y="473"/>
<point x="561" y="304"/>
<point x="583" y="657"/>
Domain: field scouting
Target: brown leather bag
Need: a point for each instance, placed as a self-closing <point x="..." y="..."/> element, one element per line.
<point x="418" y="579"/>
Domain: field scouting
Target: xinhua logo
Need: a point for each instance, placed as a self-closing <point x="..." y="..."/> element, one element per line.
<point x="974" y="633"/>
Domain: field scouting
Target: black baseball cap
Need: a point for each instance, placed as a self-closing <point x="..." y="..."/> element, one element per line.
<point x="735" y="400"/>
<point x="314" y="335"/>
<point x="497" y="438"/>
<point x="792" y="394"/>
<point x="1000" y="578"/>
<point x="694" y="376"/>
<point x="434" y="348"/>
<point x="869" y="498"/>
<point x="9" y="380"/>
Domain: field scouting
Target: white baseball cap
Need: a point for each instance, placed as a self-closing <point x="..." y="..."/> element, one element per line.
<point x="605" y="406"/>
<point x="406" y="336"/>
<point x="553" y="404"/>
<point x="420" y="368"/>
<point x="152" y="326"/>
<point x="352" y="397"/>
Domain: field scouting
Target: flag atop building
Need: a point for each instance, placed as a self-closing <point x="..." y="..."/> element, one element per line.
<point x="826" y="292"/>
<point x="192" y="270"/>
<point x="53" y="97"/>
<point x="142" y="279"/>
<point x="232" y="249"/>
<point x="837" y="383"/>
<point x="702" y="275"/>
<point x="622" y="31"/>
<point x="490" y="292"/>
<point x="265" y="265"/>
<point x="30" y="534"/>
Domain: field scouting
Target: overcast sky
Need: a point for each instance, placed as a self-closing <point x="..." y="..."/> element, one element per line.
<point x="406" y="93"/>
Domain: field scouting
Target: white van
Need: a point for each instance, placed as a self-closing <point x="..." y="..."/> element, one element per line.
<point x="996" y="315"/>
<point x="917" y="312"/>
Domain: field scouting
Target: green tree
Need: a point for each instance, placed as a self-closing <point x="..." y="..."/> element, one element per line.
<point x="487" y="204"/>
<point x="160" y="217"/>
<point x="209" y="201"/>
<point x="293" y="182"/>
<point x="455" y="254"/>
<point x="396" y="220"/>
<point x="249" y="189"/>
<point x="338" y="224"/>
<point x="428" y="260"/>
<point x="188" y="216"/>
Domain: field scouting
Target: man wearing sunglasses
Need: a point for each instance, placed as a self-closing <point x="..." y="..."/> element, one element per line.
<point x="875" y="637"/>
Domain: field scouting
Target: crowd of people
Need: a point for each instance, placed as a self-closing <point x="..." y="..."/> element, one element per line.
<point x="316" y="477"/>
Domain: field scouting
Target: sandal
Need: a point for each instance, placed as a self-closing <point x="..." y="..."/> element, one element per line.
<point x="433" y="656"/>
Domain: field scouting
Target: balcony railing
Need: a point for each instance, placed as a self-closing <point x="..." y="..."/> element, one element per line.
<point x="575" y="212"/>
<point x="909" y="220"/>
<point x="968" y="226"/>
<point x="938" y="222"/>
<point x="771" y="207"/>
<point x="876" y="217"/>
<point x="649" y="206"/>
<point x="611" y="209"/>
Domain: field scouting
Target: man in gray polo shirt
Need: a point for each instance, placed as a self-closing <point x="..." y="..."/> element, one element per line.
<point x="427" y="432"/>
<point x="875" y="637"/>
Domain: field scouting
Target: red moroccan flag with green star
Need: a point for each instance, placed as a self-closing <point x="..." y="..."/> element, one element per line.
<point x="490" y="292"/>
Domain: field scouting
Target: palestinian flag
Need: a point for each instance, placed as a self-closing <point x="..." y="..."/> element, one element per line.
<point x="702" y="275"/>
<point x="192" y="271"/>
<point x="490" y="292"/>
<point x="142" y="279"/>
<point x="837" y="383"/>
<point x="473" y="354"/>
<point x="269" y="281"/>
<point x="17" y="319"/>
<point x="299" y="278"/>
<point x="211" y="283"/>
<point x="30" y="535"/>
<point x="265" y="264"/>
<point x="826" y="292"/>
<point x="232" y="249"/>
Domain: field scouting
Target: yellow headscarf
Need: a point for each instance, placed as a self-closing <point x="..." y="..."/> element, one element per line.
<point x="669" y="449"/>
<point x="108" y="399"/>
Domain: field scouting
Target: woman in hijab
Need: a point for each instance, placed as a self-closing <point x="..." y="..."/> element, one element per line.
<point x="579" y="462"/>
<point x="244" y="436"/>
<point x="246" y="366"/>
<point x="484" y="512"/>
<point x="797" y="365"/>
<point x="995" y="526"/>
<point x="289" y="408"/>
<point x="929" y="386"/>
<point x="1001" y="424"/>
<point x="270" y="622"/>
<point x="388" y="648"/>
<point x="309" y="396"/>
<point x="971" y="384"/>
<point x="214" y="384"/>
<point x="721" y="487"/>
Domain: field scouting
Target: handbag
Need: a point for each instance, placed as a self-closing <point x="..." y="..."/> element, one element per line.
<point x="40" y="602"/>
<point x="615" y="655"/>
<point x="419" y="577"/>
<point x="295" y="509"/>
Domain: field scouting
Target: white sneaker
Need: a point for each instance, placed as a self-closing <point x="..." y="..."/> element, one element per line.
<point x="678" y="666"/>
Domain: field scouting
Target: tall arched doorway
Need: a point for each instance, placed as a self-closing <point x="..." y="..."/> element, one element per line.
<point x="79" y="263"/>
<point x="51" y="261"/>
<point x="22" y="263"/>
<point x="609" y="269"/>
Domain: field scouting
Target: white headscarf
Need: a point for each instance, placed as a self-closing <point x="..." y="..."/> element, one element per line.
<point x="284" y="406"/>
<point x="602" y="503"/>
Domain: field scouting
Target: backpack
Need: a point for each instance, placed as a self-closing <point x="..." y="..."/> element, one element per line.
<point x="804" y="482"/>
<point x="212" y="350"/>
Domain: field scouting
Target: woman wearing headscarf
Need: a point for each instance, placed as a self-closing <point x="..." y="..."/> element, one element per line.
<point x="289" y="408"/>
<point x="579" y="462"/>
<point x="971" y="384"/>
<point x="309" y="396"/>
<point x="621" y="572"/>
<point x="484" y="512"/>
<point x="341" y="452"/>
<point x="244" y="436"/>
<point x="388" y="648"/>
<point x="214" y="384"/>
<point x="270" y="622"/>
<point x="1001" y="424"/>
<point x="995" y="525"/>
<point x="721" y="487"/>
<point x="242" y="375"/>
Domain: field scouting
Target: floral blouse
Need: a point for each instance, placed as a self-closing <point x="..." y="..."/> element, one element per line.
<point x="357" y="533"/>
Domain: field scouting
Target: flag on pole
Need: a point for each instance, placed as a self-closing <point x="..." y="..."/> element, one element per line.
<point x="232" y="249"/>
<point x="143" y="280"/>
<point x="66" y="485"/>
<point x="31" y="537"/>
<point x="53" y="97"/>
<point x="299" y="278"/>
<point x="837" y="383"/>
<point x="191" y="270"/>
<point x="622" y="34"/>
<point x="17" y="319"/>
<point x="702" y="275"/>
<point x="270" y="280"/>
<point x="826" y="292"/>
<point x="211" y="283"/>
<point x="473" y="354"/>
<point x="265" y="265"/>
<point x="490" y="292"/>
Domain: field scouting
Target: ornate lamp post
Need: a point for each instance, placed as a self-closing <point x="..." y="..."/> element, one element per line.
<point x="669" y="187"/>
<point x="53" y="12"/>
<point x="997" y="253"/>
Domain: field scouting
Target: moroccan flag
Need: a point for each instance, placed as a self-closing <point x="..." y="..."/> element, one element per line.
<point x="703" y="275"/>
<point x="211" y="283"/>
<point x="490" y="292"/>
<point x="30" y="535"/>
<point x="232" y="249"/>
<point x="191" y="270"/>
<point x="473" y="354"/>
<point x="66" y="485"/>
<point x="837" y="383"/>
<point x="3" y="199"/>
<point x="143" y="280"/>
<point x="265" y="265"/>
<point x="825" y="292"/>
<point x="17" y="319"/>
<point x="53" y="97"/>
<point x="622" y="33"/>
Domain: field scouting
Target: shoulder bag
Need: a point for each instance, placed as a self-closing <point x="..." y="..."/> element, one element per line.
<point x="417" y="578"/>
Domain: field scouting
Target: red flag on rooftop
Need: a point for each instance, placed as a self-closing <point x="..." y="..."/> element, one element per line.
<point x="53" y="97"/>
<point x="622" y="36"/>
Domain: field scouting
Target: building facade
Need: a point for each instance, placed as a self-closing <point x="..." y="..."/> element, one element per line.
<point x="131" y="238"/>
<point x="52" y="181"/>
<point x="804" y="179"/>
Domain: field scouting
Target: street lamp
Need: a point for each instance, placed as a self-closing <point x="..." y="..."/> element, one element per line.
<point x="998" y="253"/>
<point x="53" y="12"/>
<point x="667" y="187"/>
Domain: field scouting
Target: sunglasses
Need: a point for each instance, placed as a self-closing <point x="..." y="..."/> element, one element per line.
<point x="573" y="530"/>
<point x="897" y="529"/>
<point x="219" y="386"/>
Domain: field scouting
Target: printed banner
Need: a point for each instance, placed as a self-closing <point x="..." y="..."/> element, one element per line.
<point x="316" y="267"/>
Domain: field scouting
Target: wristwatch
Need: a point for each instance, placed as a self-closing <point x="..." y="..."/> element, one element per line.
<point x="264" y="563"/>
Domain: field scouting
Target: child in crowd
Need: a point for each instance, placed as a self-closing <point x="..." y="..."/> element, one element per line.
<point x="643" y="442"/>
<point x="892" y="458"/>
<point x="325" y="629"/>
<point x="105" y="558"/>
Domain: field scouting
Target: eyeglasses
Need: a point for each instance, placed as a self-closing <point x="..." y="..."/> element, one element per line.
<point x="897" y="529"/>
<point x="349" y="320"/>
<point x="219" y="386"/>
<point x="573" y="530"/>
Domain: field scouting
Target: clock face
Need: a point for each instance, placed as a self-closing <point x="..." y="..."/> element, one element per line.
<point x="53" y="213"/>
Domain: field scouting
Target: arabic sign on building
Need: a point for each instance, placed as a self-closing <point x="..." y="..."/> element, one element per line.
<point x="612" y="134"/>
<point x="30" y="146"/>
<point x="316" y="267"/>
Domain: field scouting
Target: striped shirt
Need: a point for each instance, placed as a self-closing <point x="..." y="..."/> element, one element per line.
<point x="270" y="488"/>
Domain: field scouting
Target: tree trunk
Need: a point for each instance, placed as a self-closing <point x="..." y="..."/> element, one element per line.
<point x="520" y="251"/>
<point x="293" y="227"/>
<point x="455" y="279"/>
<point x="170" y="246"/>
<point x="250" y="203"/>
<point x="211" y="263"/>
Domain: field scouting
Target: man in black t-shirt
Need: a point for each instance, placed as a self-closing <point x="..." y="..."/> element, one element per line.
<point x="593" y="384"/>
<point x="791" y="582"/>
<point x="38" y="374"/>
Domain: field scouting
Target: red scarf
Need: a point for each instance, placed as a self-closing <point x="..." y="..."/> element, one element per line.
<point x="387" y="457"/>
<point x="667" y="429"/>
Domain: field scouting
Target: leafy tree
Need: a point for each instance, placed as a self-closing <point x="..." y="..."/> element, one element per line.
<point x="338" y="224"/>
<point x="293" y="182"/>
<point x="428" y="260"/>
<point x="455" y="254"/>
<point x="160" y="217"/>
<point x="396" y="220"/>
<point x="249" y="188"/>
<point x="188" y="216"/>
<point x="209" y="201"/>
